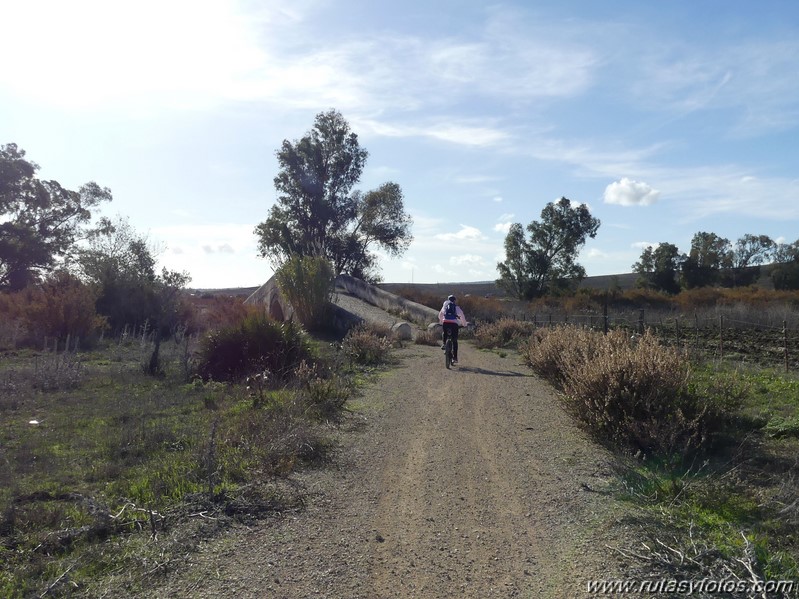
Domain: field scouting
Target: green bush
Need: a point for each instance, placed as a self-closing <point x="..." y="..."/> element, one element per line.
<point x="307" y="283"/>
<point x="257" y="344"/>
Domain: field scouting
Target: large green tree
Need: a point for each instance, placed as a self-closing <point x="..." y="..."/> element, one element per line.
<point x="749" y="252"/>
<point x="785" y="271"/>
<point x="121" y="267"/>
<point x="40" y="221"/>
<point x="659" y="267"/>
<point x="708" y="256"/>
<point x="319" y="213"/>
<point x="547" y="261"/>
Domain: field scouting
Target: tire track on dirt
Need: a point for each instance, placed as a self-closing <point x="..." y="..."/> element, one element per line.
<point x="463" y="483"/>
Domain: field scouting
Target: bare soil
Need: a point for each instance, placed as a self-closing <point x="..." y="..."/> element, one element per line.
<point x="470" y="482"/>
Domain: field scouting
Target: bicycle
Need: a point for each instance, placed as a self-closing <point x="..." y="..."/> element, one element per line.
<point x="448" y="350"/>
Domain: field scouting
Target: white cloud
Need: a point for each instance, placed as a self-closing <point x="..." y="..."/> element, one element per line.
<point x="502" y="227"/>
<point x="466" y="233"/>
<point x="627" y="192"/>
<point x="497" y="199"/>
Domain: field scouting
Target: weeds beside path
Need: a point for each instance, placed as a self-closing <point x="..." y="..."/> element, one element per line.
<point x="464" y="483"/>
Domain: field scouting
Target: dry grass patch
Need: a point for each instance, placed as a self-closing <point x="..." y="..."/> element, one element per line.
<point x="505" y="332"/>
<point x="629" y="393"/>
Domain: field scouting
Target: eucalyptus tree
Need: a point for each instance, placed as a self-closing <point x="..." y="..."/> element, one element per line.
<point x="547" y="261"/>
<point x="40" y="221"/>
<point x="318" y="211"/>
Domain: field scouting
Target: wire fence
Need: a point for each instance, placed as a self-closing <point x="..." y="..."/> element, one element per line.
<point x="765" y="337"/>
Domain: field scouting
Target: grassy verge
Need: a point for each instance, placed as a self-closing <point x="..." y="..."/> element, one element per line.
<point x="732" y="513"/>
<point x="707" y="452"/>
<point x="109" y="477"/>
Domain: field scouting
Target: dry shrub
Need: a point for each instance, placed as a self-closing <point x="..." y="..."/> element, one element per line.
<point x="629" y="393"/>
<point x="367" y="344"/>
<point x="552" y="352"/>
<point x="211" y="313"/>
<point x="480" y="308"/>
<point x="60" y="307"/>
<point x="428" y="337"/>
<point x="503" y="333"/>
<point x="266" y="441"/>
<point x="642" y="298"/>
<point x="321" y="391"/>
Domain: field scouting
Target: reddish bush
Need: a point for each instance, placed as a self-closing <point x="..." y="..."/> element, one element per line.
<point x="61" y="306"/>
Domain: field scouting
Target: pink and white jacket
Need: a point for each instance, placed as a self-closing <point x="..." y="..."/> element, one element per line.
<point x="461" y="319"/>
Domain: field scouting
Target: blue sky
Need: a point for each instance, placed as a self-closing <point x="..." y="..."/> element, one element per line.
<point x="665" y="118"/>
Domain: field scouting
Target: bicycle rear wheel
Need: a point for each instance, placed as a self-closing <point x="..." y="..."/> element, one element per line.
<point x="448" y="353"/>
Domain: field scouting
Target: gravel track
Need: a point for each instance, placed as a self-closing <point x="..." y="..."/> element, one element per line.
<point x="463" y="483"/>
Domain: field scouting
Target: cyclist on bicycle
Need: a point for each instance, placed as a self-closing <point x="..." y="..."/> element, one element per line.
<point x="451" y="318"/>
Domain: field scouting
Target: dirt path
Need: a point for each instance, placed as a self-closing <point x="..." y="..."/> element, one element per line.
<point x="461" y="483"/>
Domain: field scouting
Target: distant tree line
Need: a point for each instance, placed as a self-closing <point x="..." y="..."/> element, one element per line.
<point x="540" y="259"/>
<point x="715" y="261"/>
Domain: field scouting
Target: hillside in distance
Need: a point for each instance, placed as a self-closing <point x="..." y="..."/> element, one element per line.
<point x="480" y="288"/>
<point x="490" y="289"/>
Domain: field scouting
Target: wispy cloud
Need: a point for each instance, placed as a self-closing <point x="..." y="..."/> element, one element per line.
<point x="745" y="77"/>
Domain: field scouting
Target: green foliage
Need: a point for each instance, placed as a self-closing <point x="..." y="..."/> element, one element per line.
<point x="708" y="255"/>
<point x="121" y="267"/>
<point x="318" y="213"/>
<point x="659" y="267"/>
<point x="547" y="262"/>
<point x="257" y="344"/>
<point x="786" y="276"/>
<point x="307" y="283"/>
<point x="114" y="461"/>
<point x="39" y="220"/>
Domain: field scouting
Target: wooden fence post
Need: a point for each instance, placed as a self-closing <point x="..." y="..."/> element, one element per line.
<point x="696" y="332"/>
<point x="785" y="342"/>
<point x="605" y="315"/>
<point x="721" y="336"/>
<point x="641" y="322"/>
